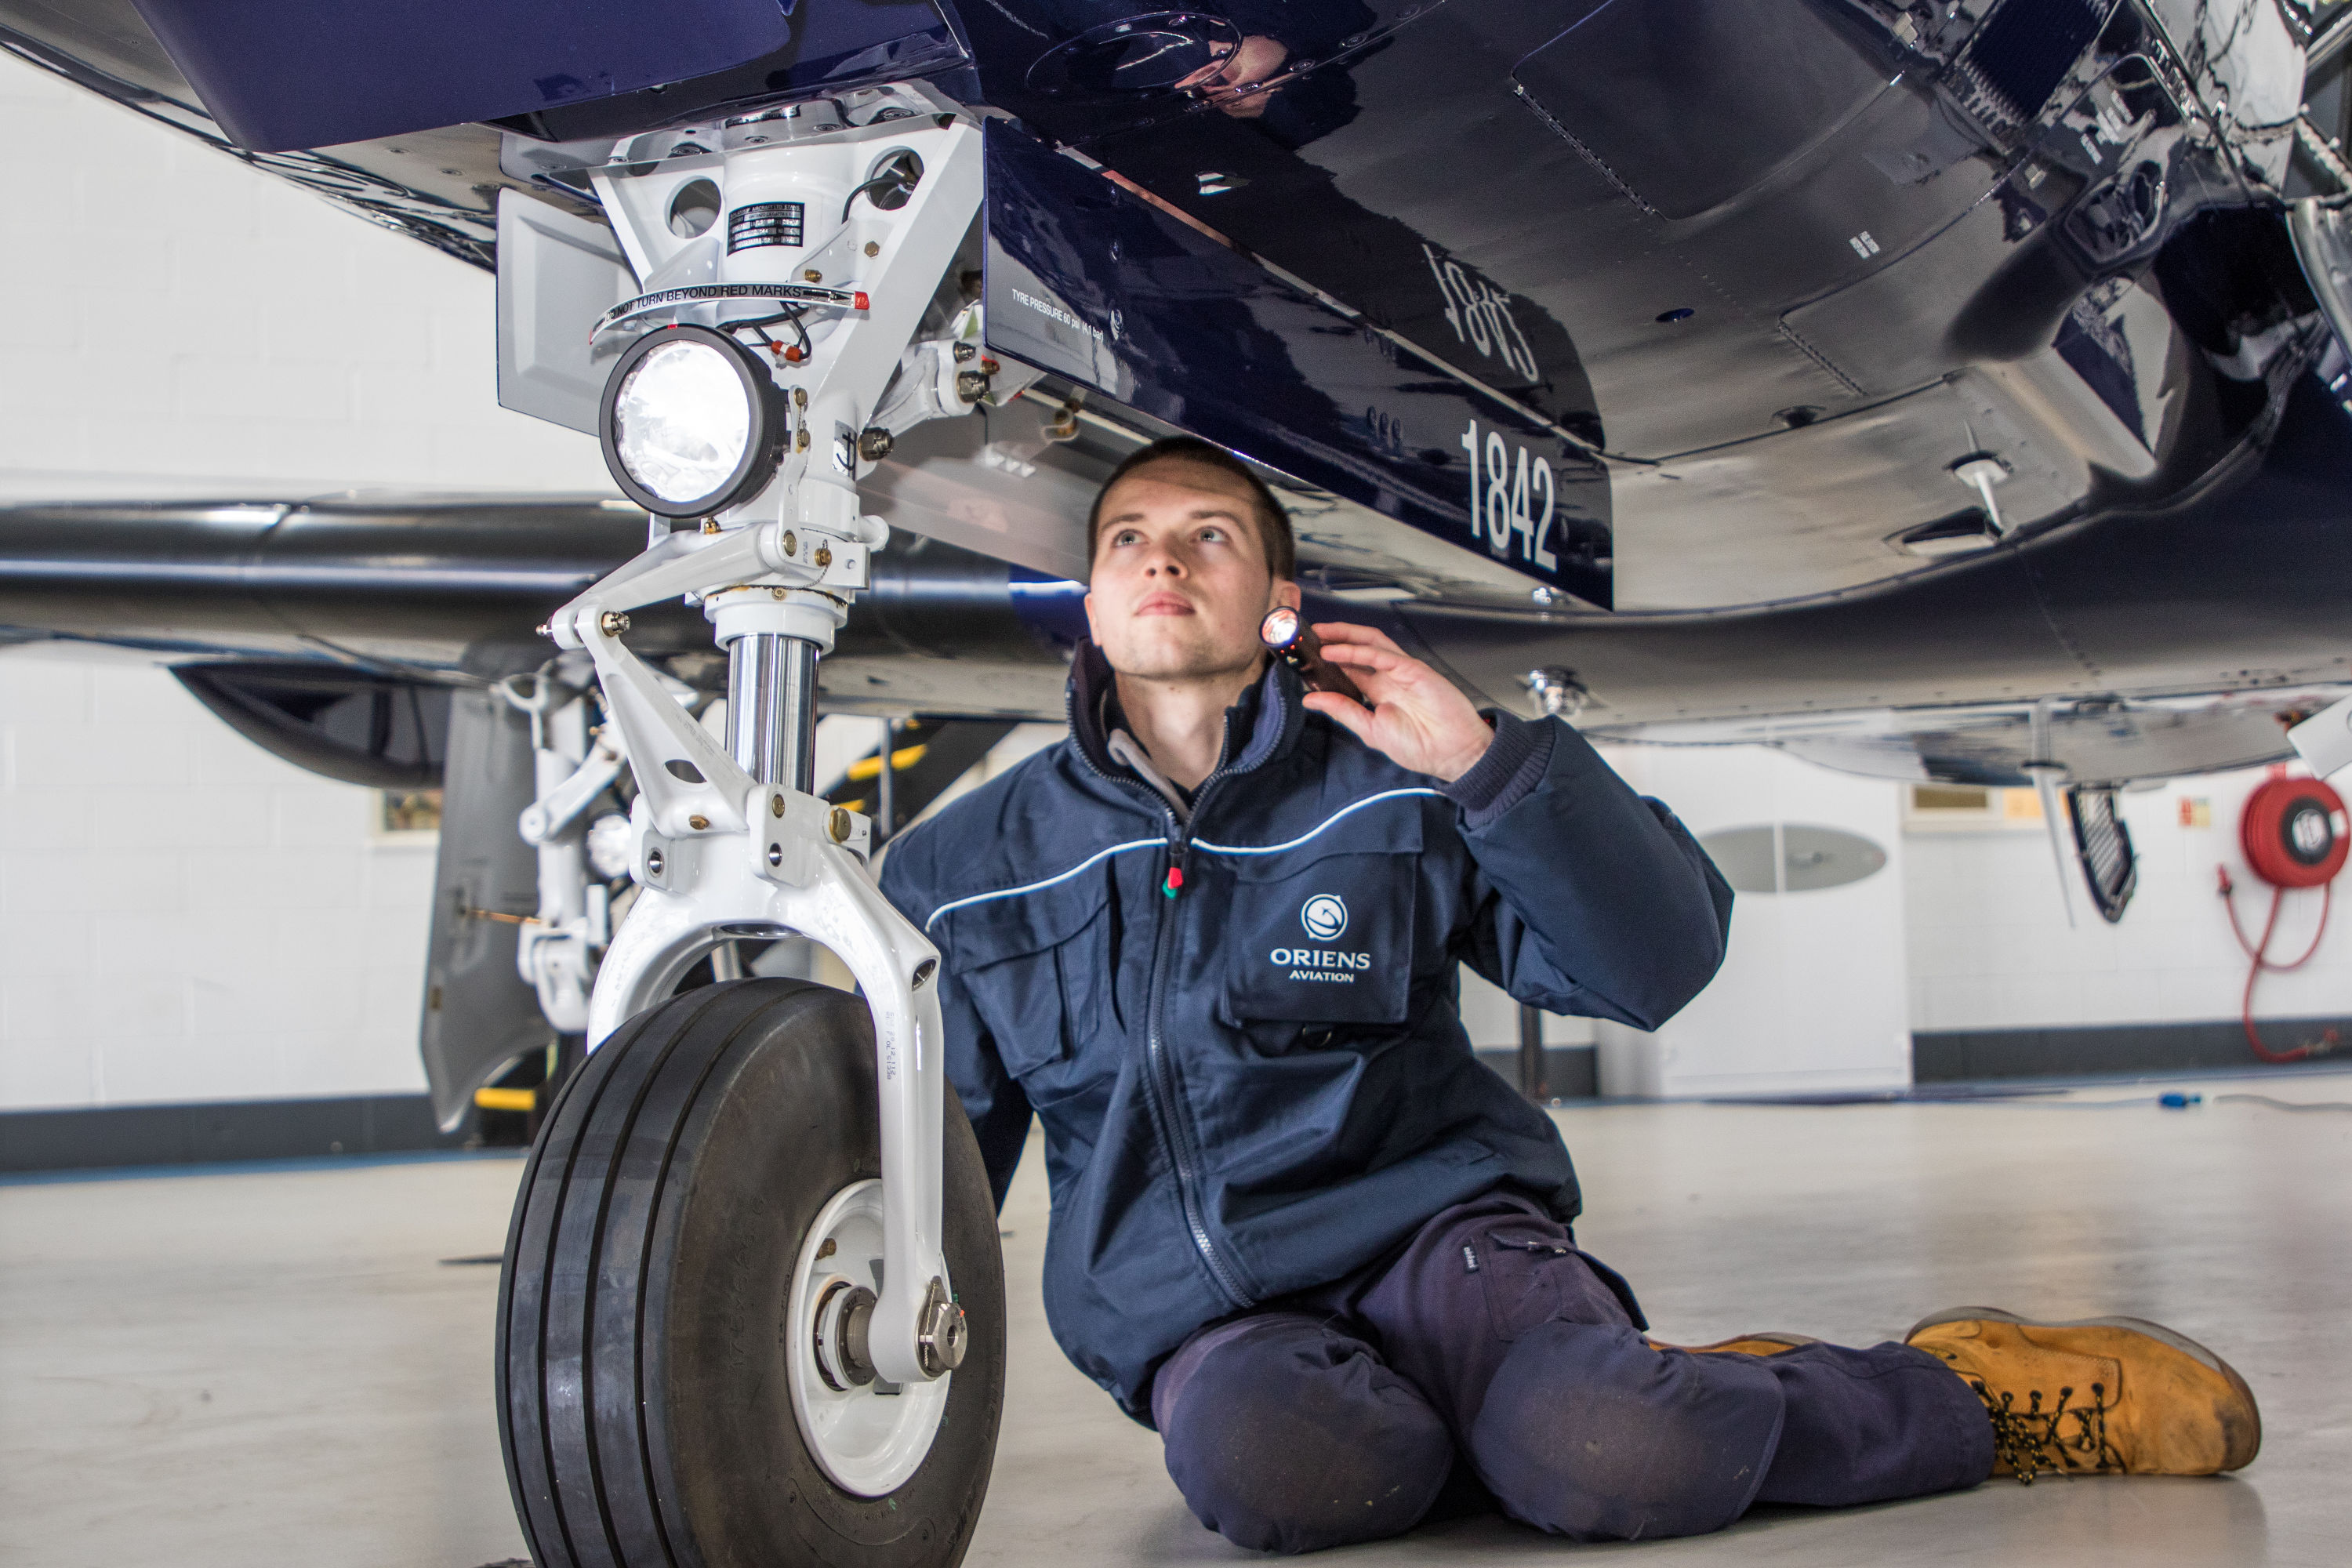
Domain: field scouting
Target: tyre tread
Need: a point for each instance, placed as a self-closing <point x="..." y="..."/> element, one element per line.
<point x="537" y="1502"/>
<point x="618" y="1058"/>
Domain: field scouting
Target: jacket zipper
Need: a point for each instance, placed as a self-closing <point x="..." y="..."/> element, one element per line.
<point x="1160" y="1083"/>
<point x="1159" y="1077"/>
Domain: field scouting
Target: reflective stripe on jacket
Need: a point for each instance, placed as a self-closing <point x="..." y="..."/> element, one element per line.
<point x="1254" y="1080"/>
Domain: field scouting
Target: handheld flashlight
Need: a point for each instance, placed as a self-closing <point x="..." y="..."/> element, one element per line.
<point x="1287" y="637"/>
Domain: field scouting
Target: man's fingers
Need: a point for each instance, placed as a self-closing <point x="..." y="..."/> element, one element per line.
<point x="1363" y="657"/>
<point x="1349" y="632"/>
<point x="1351" y="716"/>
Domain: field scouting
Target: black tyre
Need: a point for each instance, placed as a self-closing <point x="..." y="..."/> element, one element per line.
<point x="646" y="1407"/>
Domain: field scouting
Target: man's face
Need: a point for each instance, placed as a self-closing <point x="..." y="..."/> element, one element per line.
<point x="1180" y="580"/>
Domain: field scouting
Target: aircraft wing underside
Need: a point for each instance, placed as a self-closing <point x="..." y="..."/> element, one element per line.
<point x="1782" y="298"/>
<point x="1731" y="372"/>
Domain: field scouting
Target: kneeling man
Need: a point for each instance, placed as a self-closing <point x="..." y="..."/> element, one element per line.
<point x="1210" y="941"/>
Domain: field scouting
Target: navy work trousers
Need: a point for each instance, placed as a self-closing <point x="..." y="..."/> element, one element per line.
<point x="1494" y="1354"/>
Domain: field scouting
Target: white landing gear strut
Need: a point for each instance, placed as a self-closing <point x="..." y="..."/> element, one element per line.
<point x="730" y="845"/>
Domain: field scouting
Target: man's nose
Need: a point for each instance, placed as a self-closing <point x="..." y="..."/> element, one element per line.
<point x="1163" y="561"/>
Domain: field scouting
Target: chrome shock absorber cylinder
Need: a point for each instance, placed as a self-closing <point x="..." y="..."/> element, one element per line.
<point x="771" y="708"/>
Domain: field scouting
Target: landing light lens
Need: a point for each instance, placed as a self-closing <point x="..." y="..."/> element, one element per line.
<point x="690" y="426"/>
<point x="681" y="421"/>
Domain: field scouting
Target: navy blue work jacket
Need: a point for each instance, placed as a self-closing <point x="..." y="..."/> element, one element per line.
<point x="1253" y="1073"/>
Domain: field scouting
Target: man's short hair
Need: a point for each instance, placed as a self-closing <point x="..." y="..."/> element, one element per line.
<point x="1273" y="522"/>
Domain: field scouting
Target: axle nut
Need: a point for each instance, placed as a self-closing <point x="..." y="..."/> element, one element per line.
<point x="945" y="1334"/>
<point x="611" y="623"/>
<point x="874" y="445"/>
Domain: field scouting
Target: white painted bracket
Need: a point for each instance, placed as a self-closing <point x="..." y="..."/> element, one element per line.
<point x="556" y="952"/>
<point x="686" y="780"/>
<point x="789" y="827"/>
<point x="557" y="810"/>
<point x="686" y="563"/>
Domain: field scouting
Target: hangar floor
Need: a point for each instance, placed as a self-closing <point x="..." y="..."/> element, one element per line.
<point x="234" y="1368"/>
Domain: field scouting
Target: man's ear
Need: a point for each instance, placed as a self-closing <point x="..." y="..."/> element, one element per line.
<point x="1283" y="595"/>
<point x="1094" y="626"/>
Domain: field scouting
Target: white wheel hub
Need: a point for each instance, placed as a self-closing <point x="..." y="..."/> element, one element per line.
<point x="869" y="1436"/>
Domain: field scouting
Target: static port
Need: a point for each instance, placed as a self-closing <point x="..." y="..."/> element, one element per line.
<point x="1679" y="313"/>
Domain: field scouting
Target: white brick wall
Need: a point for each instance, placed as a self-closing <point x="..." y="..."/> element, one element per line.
<point x="183" y="917"/>
<point x="179" y="314"/>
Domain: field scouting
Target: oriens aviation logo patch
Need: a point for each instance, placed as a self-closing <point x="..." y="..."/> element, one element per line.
<point x="1324" y="916"/>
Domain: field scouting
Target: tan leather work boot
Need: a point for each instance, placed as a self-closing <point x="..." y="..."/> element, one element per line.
<point x="1746" y="1344"/>
<point x="2098" y="1395"/>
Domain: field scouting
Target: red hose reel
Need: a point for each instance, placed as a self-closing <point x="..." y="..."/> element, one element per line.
<point x="2294" y="833"/>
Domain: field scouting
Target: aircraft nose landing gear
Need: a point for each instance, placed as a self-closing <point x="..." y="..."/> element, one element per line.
<point x="753" y="1309"/>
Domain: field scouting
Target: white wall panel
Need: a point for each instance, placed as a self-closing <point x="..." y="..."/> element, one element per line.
<point x="1811" y="994"/>
<point x="196" y="919"/>
<point x="1991" y="948"/>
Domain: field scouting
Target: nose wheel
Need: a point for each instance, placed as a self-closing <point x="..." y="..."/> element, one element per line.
<point x="682" y="1376"/>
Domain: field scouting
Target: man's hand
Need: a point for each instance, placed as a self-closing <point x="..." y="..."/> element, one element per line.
<point x="1417" y="719"/>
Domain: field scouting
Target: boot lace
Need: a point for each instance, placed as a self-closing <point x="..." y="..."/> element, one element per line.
<point x="2066" y="1440"/>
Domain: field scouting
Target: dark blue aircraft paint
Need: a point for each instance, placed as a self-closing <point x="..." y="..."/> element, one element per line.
<point x="1088" y="281"/>
<point x="280" y="74"/>
<point x="1150" y="90"/>
<point x="1482" y="178"/>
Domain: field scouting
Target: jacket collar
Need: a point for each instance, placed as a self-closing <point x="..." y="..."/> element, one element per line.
<point x="1262" y="726"/>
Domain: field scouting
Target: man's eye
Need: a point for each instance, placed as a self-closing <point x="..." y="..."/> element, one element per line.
<point x="1126" y="536"/>
<point x="1213" y="535"/>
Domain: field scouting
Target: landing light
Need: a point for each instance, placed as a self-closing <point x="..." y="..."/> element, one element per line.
<point x="692" y="423"/>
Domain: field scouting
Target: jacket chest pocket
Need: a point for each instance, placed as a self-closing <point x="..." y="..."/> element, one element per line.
<point x="1039" y="971"/>
<point x="1328" y="941"/>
